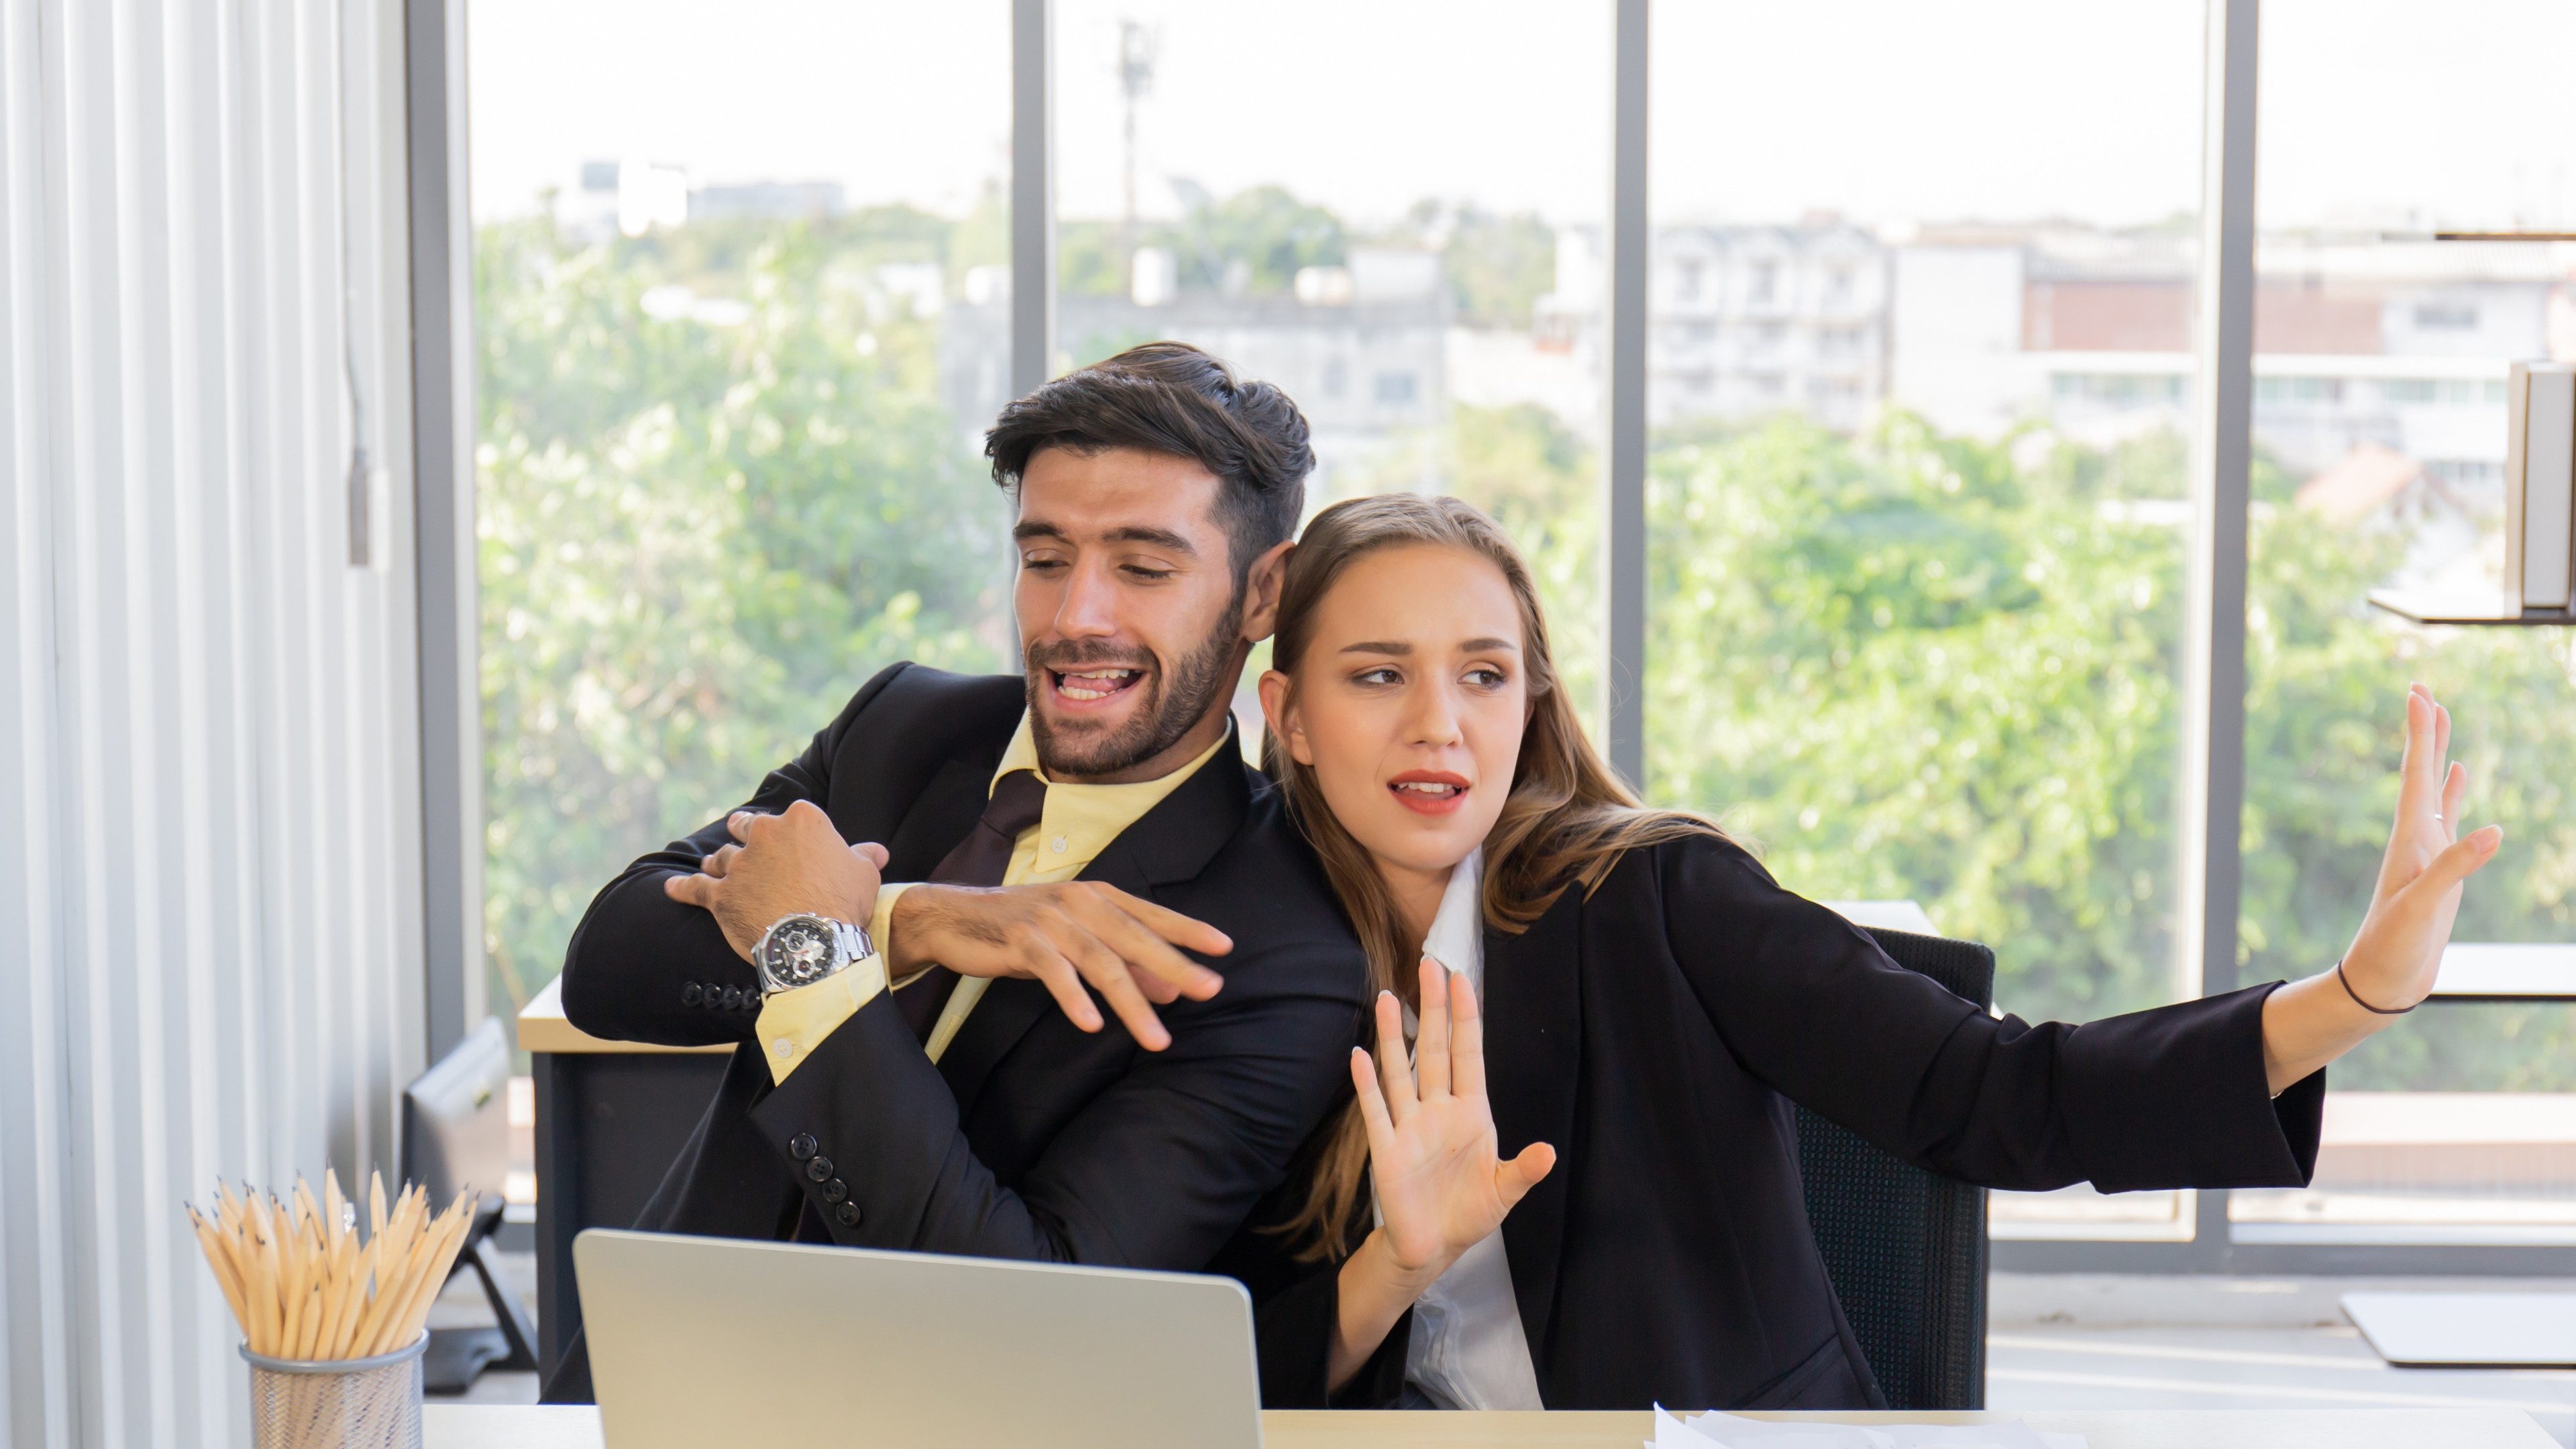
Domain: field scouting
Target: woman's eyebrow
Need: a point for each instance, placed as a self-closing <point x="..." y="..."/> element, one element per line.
<point x="1489" y="646"/>
<point x="1378" y="646"/>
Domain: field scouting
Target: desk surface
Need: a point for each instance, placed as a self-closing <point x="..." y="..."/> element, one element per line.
<point x="477" y="1426"/>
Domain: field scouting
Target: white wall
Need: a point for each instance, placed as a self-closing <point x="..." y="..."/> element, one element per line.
<point x="209" y="786"/>
<point x="1955" y="335"/>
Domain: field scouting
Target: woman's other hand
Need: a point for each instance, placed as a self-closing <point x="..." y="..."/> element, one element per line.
<point x="2397" y="953"/>
<point x="1433" y="1159"/>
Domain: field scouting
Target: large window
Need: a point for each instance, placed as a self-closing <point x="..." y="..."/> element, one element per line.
<point x="1920" y="385"/>
<point x="1918" y="373"/>
<point x="1371" y="206"/>
<point x="2379" y="431"/>
<point x="727" y="462"/>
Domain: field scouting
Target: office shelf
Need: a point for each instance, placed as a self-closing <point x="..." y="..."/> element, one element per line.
<point x="2453" y="609"/>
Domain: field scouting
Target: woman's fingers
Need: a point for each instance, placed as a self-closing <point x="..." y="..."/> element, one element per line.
<point x="1391" y="1067"/>
<point x="2455" y="788"/>
<point x="2459" y="860"/>
<point x="1466" y="1039"/>
<point x="1373" y="1114"/>
<point x="1431" y="1043"/>
<point x="1514" y="1179"/>
<point x="2415" y="788"/>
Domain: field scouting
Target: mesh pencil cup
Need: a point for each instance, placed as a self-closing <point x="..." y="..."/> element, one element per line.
<point x="357" y="1403"/>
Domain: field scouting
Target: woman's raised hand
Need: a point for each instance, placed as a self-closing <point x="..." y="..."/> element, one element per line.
<point x="2398" y="950"/>
<point x="1441" y="1187"/>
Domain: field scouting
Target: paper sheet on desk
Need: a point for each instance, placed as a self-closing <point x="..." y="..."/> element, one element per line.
<point x="1725" y="1431"/>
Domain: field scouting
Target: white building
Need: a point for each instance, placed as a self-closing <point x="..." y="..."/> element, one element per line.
<point x="1743" y="321"/>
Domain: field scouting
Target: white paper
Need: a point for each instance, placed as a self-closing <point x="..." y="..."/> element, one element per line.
<point x="1726" y="1431"/>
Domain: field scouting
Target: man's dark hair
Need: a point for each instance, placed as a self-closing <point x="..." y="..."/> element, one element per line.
<point x="1174" y="399"/>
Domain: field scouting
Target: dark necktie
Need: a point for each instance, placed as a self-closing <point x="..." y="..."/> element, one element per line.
<point x="981" y="859"/>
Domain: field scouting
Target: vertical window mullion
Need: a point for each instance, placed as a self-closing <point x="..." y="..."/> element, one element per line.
<point x="2213" y="662"/>
<point x="1033" y="162"/>
<point x="1624" y="552"/>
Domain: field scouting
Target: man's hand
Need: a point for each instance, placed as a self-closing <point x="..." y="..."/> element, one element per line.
<point x="788" y="864"/>
<point x="1063" y="935"/>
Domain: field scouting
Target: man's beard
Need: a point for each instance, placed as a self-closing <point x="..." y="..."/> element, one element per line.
<point x="1176" y="700"/>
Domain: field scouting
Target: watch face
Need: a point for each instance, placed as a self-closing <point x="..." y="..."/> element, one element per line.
<point x="800" y="950"/>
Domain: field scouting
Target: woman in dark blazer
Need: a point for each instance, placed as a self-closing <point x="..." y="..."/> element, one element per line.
<point x="1652" y="1003"/>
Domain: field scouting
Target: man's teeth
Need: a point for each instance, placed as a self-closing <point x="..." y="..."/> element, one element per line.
<point x="1108" y="681"/>
<point x="1428" y="787"/>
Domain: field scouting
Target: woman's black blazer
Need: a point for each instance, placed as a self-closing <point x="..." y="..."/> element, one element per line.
<point x="1657" y="1032"/>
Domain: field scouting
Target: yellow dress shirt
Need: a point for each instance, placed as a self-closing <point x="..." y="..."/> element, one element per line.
<point x="1076" y="823"/>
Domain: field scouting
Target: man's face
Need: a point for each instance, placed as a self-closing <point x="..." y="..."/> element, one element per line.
<point x="1131" y="626"/>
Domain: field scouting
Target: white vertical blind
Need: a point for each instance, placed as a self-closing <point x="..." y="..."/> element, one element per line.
<point x="209" y="883"/>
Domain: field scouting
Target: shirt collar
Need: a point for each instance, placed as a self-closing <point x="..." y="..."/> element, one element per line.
<point x="1022" y="754"/>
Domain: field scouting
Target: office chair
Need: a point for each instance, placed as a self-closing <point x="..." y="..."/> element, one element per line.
<point x="1905" y="1248"/>
<point x="456" y="1134"/>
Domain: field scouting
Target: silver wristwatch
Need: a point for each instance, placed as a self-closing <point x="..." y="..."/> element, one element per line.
<point x="800" y="950"/>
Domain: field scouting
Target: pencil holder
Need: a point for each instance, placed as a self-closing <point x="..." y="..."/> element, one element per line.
<point x="358" y="1403"/>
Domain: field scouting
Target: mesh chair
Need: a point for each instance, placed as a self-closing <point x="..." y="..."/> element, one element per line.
<point x="1905" y="1248"/>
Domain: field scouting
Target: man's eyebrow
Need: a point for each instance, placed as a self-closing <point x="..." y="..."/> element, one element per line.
<point x="1162" y="538"/>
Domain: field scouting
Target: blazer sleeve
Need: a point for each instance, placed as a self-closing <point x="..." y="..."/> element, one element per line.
<point x="2171" y="1097"/>
<point x="628" y="971"/>
<point x="1293" y="1330"/>
<point x="1156" y="1170"/>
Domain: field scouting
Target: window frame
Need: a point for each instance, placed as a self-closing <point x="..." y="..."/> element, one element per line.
<point x="2212" y="783"/>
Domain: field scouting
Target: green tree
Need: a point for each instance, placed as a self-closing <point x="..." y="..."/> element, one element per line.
<point x="695" y="539"/>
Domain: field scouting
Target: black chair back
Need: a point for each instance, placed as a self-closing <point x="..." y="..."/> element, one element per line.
<point x="1905" y="1248"/>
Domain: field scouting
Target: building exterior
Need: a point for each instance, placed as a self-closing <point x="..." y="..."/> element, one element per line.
<point x="1743" y="320"/>
<point x="2368" y="344"/>
<point x="1362" y="348"/>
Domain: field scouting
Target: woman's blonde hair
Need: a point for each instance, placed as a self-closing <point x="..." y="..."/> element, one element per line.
<point x="1565" y="823"/>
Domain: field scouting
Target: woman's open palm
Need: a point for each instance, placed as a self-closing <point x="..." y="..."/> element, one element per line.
<point x="1441" y="1186"/>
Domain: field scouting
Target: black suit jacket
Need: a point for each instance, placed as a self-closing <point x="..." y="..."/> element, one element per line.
<point x="1030" y="1138"/>
<point x="1656" y="1035"/>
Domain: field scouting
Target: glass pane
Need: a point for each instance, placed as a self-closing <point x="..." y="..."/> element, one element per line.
<point x="2379" y="428"/>
<point x="721" y="475"/>
<point x="1919" y="372"/>
<point x="1369" y="206"/>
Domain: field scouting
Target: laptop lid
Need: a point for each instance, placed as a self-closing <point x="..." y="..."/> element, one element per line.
<point x="700" y="1341"/>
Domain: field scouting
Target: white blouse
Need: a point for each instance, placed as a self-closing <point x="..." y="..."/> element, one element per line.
<point x="1468" y="1350"/>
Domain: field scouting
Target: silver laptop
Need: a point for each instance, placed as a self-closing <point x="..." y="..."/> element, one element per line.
<point x="711" y="1341"/>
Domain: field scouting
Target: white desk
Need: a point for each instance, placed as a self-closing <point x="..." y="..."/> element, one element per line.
<point x="476" y="1426"/>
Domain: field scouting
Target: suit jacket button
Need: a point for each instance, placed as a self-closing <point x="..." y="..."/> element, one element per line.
<point x="733" y="998"/>
<point x="818" y="1169"/>
<point x="690" y="993"/>
<point x="802" y="1146"/>
<point x="848" y="1213"/>
<point x="835" y="1190"/>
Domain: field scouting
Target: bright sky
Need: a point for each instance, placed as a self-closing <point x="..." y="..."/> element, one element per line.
<point x="1883" y="110"/>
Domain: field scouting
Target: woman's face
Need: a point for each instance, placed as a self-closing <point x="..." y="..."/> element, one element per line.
<point x="1410" y="703"/>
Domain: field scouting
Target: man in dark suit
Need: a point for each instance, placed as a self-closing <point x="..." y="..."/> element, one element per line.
<point x="910" y="1082"/>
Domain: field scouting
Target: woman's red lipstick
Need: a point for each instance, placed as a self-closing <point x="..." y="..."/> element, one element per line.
<point x="1429" y="792"/>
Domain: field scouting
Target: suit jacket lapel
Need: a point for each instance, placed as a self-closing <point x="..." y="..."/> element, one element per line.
<point x="1172" y="842"/>
<point x="947" y="808"/>
<point x="1533" y="1053"/>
